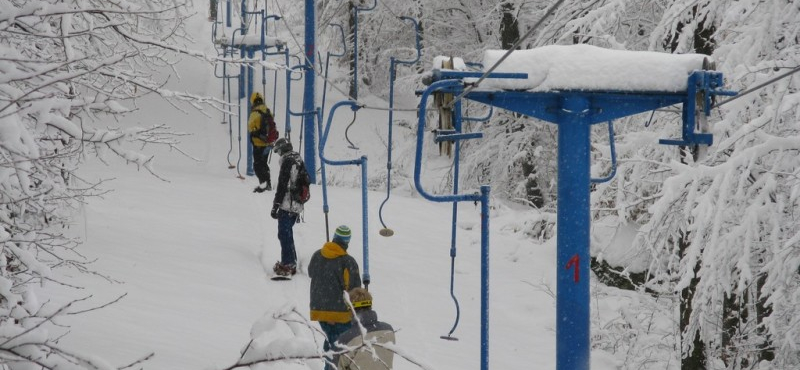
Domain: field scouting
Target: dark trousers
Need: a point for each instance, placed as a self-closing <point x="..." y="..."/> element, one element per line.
<point x="260" y="164"/>
<point x="332" y="332"/>
<point x="286" y="221"/>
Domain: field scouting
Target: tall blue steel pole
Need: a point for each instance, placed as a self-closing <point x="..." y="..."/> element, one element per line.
<point x="228" y="13"/>
<point x="250" y="72"/>
<point x="572" y="261"/>
<point x="485" y="190"/>
<point x="309" y="108"/>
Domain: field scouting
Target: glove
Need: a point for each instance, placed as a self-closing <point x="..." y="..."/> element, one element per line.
<point x="274" y="213"/>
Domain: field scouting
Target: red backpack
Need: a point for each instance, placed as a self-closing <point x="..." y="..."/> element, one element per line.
<point x="267" y="131"/>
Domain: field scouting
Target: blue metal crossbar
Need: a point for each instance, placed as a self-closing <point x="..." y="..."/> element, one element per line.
<point x="456" y="137"/>
<point x="439" y="74"/>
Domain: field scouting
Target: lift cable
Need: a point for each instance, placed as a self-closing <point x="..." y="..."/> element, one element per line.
<point x="753" y="89"/>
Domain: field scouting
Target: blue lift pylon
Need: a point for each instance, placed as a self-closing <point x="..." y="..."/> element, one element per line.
<point x="575" y="112"/>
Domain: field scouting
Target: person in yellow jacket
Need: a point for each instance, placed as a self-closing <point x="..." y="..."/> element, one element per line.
<point x="263" y="134"/>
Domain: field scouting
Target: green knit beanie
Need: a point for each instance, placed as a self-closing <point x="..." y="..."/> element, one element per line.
<point x="342" y="236"/>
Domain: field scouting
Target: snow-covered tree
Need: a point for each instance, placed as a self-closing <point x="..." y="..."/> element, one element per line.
<point x="68" y="70"/>
<point x="718" y="224"/>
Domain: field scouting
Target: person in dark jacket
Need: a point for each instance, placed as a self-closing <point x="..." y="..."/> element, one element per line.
<point x="261" y="145"/>
<point x="374" y="331"/>
<point x="284" y="209"/>
<point x="333" y="272"/>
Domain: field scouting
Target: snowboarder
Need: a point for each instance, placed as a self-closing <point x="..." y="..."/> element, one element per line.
<point x="333" y="272"/>
<point x="262" y="138"/>
<point x="284" y="208"/>
<point x="377" y="331"/>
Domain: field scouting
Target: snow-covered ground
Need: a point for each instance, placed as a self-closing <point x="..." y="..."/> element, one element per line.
<point x="189" y="255"/>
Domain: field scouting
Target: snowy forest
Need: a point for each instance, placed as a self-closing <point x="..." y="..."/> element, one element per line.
<point x="717" y="232"/>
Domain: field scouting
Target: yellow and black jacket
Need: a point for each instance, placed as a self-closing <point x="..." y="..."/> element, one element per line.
<point x="254" y="124"/>
<point x="332" y="272"/>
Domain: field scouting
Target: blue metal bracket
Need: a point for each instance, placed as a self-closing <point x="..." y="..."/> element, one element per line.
<point x="357" y="162"/>
<point x="702" y="87"/>
<point x="452" y="136"/>
<point x="483" y="197"/>
<point x="613" y="157"/>
<point x="481" y="119"/>
<point x="263" y="33"/>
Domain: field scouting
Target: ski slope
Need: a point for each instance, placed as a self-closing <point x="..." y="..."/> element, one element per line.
<point x="188" y="255"/>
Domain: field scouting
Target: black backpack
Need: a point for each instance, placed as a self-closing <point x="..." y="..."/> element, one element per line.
<point x="300" y="191"/>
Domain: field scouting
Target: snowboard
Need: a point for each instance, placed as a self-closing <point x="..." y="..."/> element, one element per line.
<point x="275" y="277"/>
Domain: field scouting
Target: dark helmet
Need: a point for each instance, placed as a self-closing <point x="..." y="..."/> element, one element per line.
<point x="282" y="146"/>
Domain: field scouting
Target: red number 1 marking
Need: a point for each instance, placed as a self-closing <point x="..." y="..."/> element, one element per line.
<point x="575" y="262"/>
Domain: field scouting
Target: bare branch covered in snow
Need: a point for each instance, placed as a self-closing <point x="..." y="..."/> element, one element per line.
<point x="69" y="70"/>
